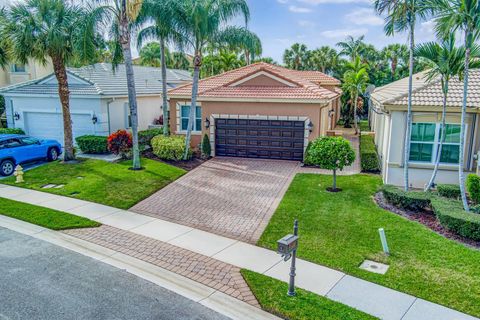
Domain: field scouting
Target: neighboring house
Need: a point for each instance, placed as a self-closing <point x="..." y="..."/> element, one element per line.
<point x="259" y="111"/>
<point x="388" y="118"/>
<point x="98" y="100"/>
<point x="18" y="72"/>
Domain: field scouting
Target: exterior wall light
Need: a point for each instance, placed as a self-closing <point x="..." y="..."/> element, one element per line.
<point x="16" y="116"/>
<point x="207" y="123"/>
<point x="94" y="119"/>
<point x="331" y="113"/>
<point x="310" y="126"/>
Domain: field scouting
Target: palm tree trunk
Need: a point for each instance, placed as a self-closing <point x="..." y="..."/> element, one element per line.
<point x="132" y="98"/>
<point x="443" y="133"/>
<point x="461" y="173"/>
<point x="247" y="57"/>
<point x="355" y="105"/>
<point x="197" y="63"/>
<point x="406" y="155"/>
<point x="164" y="89"/>
<point x="64" y="94"/>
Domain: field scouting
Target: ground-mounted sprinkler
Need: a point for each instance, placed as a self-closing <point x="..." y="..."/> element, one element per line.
<point x="287" y="248"/>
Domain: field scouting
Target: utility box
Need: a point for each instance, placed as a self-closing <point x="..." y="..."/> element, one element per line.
<point x="287" y="245"/>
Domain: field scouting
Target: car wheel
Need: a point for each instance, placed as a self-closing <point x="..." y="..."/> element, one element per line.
<point x="52" y="154"/>
<point x="7" y="167"/>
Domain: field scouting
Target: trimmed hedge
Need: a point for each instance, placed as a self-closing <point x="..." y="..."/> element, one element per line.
<point x="451" y="215"/>
<point x="92" y="144"/>
<point x="473" y="187"/>
<point x="451" y="191"/>
<point x="11" y="131"/>
<point x="169" y="148"/>
<point x="145" y="136"/>
<point x="408" y="200"/>
<point x="368" y="154"/>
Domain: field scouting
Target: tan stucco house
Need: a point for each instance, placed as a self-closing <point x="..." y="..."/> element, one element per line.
<point x="259" y="111"/>
<point x="18" y="72"/>
<point x="388" y="119"/>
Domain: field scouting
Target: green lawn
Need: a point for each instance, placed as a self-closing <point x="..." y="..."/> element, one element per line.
<point x="339" y="230"/>
<point x="112" y="184"/>
<point x="272" y="296"/>
<point x="364" y="126"/>
<point x="48" y="218"/>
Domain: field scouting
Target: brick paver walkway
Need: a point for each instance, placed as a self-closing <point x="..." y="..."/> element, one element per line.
<point x="233" y="197"/>
<point x="208" y="271"/>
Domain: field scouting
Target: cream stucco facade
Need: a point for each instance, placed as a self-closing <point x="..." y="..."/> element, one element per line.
<point x="18" y="73"/>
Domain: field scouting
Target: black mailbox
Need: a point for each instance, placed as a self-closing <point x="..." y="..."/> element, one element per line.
<point x="287" y="244"/>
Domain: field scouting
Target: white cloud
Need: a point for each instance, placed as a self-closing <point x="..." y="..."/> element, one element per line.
<point x="364" y="16"/>
<point x="282" y="1"/>
<point x="306" y="24"/>
<point x="316" y="2"/>
<point x="296" y="9"/>
<point x="343" y="33"/>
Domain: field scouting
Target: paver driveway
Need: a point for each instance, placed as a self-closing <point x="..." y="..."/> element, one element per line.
<point x="233" y="197"/>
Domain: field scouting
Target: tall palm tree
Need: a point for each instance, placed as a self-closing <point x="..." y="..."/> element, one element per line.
<point x="150" y="55"/>
<point x="56" y="30"/>
<point x="179" y="60"/>
<point x="451" y="16"/>
<point x="296" y="57"/>
<point x="202" y="22"/>
<point x="229" y="61"/>
<point x="355" y="81"/>
<point x="244" y="40"/>
<point x="351" y="47"/>
<point x="122" y="15"/>
<point x="324" y="59"/>
<point x="394" y="53"/>
<point x="161" y="14"/>
<point x="446" y="61"/>
<point x="4" y="41"/>
<point x="402" y="15"/>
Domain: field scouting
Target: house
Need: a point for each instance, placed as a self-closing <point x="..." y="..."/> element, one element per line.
<point x="259" y="111"/>
<point x="17" y="72"/>
<point x="98" y="100"/>
<point x="388" y="118"/>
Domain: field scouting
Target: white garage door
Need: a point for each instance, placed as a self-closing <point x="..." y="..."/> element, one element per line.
<point x="50" y="125"/>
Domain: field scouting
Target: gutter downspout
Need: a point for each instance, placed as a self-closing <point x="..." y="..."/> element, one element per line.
<point x="108" y="114"/>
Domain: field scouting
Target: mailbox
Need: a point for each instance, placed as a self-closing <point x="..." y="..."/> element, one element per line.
<point x="287" y="244"/>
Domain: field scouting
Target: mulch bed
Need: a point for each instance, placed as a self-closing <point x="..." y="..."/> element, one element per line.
<point x="427" y="218"/>
<point x="186" y="165"/>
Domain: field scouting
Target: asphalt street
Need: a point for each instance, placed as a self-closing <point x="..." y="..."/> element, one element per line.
<point x="39" y="280"/>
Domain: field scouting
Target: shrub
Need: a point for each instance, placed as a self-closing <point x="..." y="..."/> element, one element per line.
<point x="11" y="131"/>
<point x="169" y="148"/>
<point x="473" y="187"/>
<point x="92" y="144"/>
<point x="206" y="146"/>
<point x="451" y="215"/>
<point x="368" y="154"/>
<point x="408" y="200"/>
<point x="331" y="153"/>
<point x="120" y="143"/>
<point x="451" y="191"/>
<point x="145" y="137"/>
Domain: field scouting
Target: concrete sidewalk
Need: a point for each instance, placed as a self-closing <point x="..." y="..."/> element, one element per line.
<point x="371" y="298"/>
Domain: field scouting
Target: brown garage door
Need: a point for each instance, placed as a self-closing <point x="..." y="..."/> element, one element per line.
<point x="267" y="139"/>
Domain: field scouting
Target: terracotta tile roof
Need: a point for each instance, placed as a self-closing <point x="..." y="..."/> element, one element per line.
<point x="430" y="93"/>
<point x="306" y="85"/>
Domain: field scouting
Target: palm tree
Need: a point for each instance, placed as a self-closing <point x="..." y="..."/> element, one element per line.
<point x="355" y="82"/>
<point x="446" y="61"/>
<point x="179" y="60"/>
<point x="150" y="55"/>
<point x="4" y="41"/>
<point x="402" y="15"/>
<point x="122" y="14"/>
<point x="56" y="30"/>
<point x="242" y="39"/>
<point x="351" y="47"/>
<point x="229" y="61"/>
<point x="394" y="53"/>
<point x="324" y="59"/>
<point x="451" y="16"/>
<point x="202" y="22"/>
<point x="296" y="57"/>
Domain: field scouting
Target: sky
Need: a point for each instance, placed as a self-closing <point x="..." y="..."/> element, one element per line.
<point x="281" y="23"/>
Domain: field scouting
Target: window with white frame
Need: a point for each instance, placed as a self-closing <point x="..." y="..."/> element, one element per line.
<point x="425" y="141"/>
<point x="184" y="113"/>
<point x="18" y="67"/>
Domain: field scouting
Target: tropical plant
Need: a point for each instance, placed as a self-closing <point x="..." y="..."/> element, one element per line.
<point x="446" y="62"/>
<point x="53" y="30"/>
<point x="331" y="153"/>
<point x="179" y="60"/>
<point x="122" y="15"/>
<point x="451" y="16"/>
<point x="120" y="143"/>
<point x="266" y="60"/>
<point x="206" y="146"/>
<point x="324" y="59"/>
<point x="201" y="22"/>
<point x="352" y="47"/>
<point x="296" y="57"/>
<point x="244" y="40"/>
<point x="402" y="15"/>
<point x="397" y="55"/>
<point x="150" y="55"/>
<point x="355" y="82"/>
<point x="5" y="45"/>
<point x="229" y="61"/>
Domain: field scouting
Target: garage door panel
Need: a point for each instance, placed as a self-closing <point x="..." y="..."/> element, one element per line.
<point x="268" y="139"/>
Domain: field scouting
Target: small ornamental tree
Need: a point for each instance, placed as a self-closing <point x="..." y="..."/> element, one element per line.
<point x="206" y="146"/>
<point x="331" y="153"/>
<point x="120" y="143"/>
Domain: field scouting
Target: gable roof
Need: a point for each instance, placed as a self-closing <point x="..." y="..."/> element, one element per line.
<point x="100" y="79"/>
<point x="305" y="85"/>
<point x="430" y="94"/>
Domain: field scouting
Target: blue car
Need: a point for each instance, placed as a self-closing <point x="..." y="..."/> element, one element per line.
<point x="18" y="149"/>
